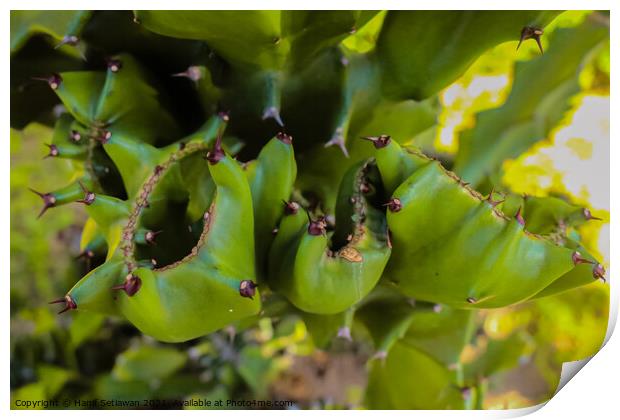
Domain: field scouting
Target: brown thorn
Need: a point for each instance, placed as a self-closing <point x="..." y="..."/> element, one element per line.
<point x="519" y="217"/>
<point x="284" y="138"/>
<point x="217" y="154"/>
<point x="71" y="40"/>
<point x="291" y="207"/>
<point x="54" y="152"/>
<point x="394" y="205"/>
<point x="530" y="32"/>
<point x="247" y="288"/>
<point x="49" y="201"/>
<point x="380" y="141"/>
<point x="130" y="286"/>
<point x="273" y="112"/>
<point x="193" y="73"/>
<point x="316" y="227"/>
<point x="598" y="272"/>
<point x="68" y="301"/>
<point x="578" y="259"/>
<point x="588" y="215"/>
<point x="338" y="140"/>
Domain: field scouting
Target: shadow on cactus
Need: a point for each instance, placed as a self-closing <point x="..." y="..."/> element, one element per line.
<point x="201" y="147"/>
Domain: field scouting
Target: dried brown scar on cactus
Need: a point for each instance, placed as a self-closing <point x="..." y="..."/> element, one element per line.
<point x="530" y="32"/>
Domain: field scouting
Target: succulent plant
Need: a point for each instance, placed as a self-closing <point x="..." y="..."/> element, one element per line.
<point x="203" y="222"/>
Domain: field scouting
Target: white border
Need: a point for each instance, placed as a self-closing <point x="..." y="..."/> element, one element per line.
<point x="593" y="393"/>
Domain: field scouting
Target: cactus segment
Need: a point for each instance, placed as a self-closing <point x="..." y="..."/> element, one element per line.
<point x="392" y="386"/>
<point x="98" y="100"/>
<point x="61" y="25"/>
<point x="323" y="278"/>
<point x="266" y="39"/>
<point x="65" y="195"/>
<point x="164" y="304"/>
<point x="443" y="51"/>
<point x="92" y="292"/>
<point x="271" y="177"/>
<point x="490" y="260"/>
<point x="539" y="99"/>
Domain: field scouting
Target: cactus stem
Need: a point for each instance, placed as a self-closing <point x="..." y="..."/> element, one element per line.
<point x="131" y="285"/>
<point x="247" y="288"/>
<point x="471" y="300"/>
<point x="379" y="142"/>
<point x="217" y="154"/>
<point x="49" y="201"/>
<point x="394" y="205"/>
<point x="588" y="215"/>
<point x="530" y="32"/>
<point x="519" y="217"/>
<point x="316" y="227"/>
<point x="114" y="65"/>
<point x="598" y="272"/>
<point x="284" y="138"/>
<point x="54" y="152"/>
<point x="193" y="73"/>
<point x="291" y="207"/>
<point x="68" y="301"/>
<point x="338" y="140"/>
<point x="273" y="112"/>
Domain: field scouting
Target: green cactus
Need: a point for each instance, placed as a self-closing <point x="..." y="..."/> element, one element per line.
<point x="195" y="211"/>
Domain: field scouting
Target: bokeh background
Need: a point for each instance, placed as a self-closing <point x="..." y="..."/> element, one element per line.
<point x="89" y="356"/>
